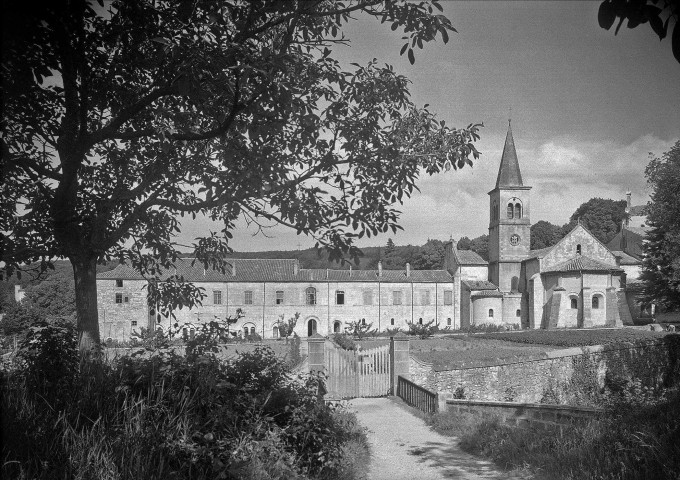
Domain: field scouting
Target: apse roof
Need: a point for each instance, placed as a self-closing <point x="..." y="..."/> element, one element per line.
<point x="580" y="263"/>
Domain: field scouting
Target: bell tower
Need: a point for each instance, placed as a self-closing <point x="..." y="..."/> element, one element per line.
<point x="509" y="222"/>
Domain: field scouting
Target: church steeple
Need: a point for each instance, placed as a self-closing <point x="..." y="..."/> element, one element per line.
<point x="509" y="174"/>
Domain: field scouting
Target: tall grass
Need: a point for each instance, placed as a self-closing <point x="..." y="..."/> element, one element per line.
<point x="165" y="416"/>
<point x="633" y="441"/>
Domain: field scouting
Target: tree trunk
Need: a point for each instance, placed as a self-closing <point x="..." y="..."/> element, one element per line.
<point x="85" y="275"/>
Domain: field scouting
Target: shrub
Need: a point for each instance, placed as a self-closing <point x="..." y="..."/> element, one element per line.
<point x="360" y="329"/>
<point x="423" y="330"/>
<point x="344" y="341"/>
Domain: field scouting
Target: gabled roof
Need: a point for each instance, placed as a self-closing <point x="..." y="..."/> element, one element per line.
<point x="388" y="276"/>
<point x="625" y="259"/>
<point x="480" y="285"/>
<point x="581" y="263"/>
<point x="508" y="173"/>
<point x="543" y="252"/>
<point x="468" y="257"/>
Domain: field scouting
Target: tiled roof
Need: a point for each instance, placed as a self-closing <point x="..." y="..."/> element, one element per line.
<point x="626" y="259"/>
<point x="582" y="263"/>
<point x="487" y="293"/>
<point x="540" y="253"/>
<point x="642" y="231"/>
<point x="468" y="257"/>
<point x="508" y="173"/>
<point x="268" y="270"/>
<point x="480" y="285"/>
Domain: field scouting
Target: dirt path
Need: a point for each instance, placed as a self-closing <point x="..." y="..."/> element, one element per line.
<point x="404" y="448"/>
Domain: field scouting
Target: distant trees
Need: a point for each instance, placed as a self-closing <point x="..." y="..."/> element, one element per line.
<point x="602" y="217"/>
<point x="661" y="260"/>
<point x="545" y="234"/>
<point x="480" y="245"/>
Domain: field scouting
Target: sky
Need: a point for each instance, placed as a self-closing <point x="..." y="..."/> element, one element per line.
<point x="587" y="109"/>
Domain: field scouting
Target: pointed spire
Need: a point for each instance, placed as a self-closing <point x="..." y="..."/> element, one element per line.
<point x="509" y="174"/>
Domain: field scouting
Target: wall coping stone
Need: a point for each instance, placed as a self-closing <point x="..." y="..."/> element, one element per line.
<point x="542" y="406"/>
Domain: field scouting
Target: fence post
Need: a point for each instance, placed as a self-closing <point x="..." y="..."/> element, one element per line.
<point x="399" y="360"/>
<point x="317" y="354"/>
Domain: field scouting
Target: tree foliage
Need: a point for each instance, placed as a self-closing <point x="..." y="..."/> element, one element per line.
<point x="121" y="118"/>
<point x="661" y="260"/>
<point x="602" y="217"/>
<point x="545" y="234"/>
<point x="658" y="13"/>
<point x="479" y="245"/>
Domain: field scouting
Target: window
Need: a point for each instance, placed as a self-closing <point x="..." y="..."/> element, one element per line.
<point x="574" y="303"/>
<point x="596" y="302"/>
<point x="279" y="297"/>
<point x="126" y="299"/>
<point x="448" y="297"/>
<point x="275" y="332"/>
<point x="491" y="313"/>
<point x="248" y="297"/>
<point x="339" y="297"/>
<point x="185" y="333"/>
<point x="396" y="297"/>
<point x="311" y="296"/>
<point x="363" y="321"/>
<point x="420" y="321"/>
<point x="119" y="298"/>
<point x="578" y="249"/>
<point x="252" y="330"/>
<point x="425" y="297"/>
<point x="391" y="321"/>
<point x="509" y="210"/>
<point x="368" y="297"/>
<point x="119" y="283"/>
<point x="134" y="323"/>
<point x="311" y="327"/>
<point x="448" y="321"/>
<point x="518" y="210"/>
<point x="336" y="326"/>
<point x="518" y="313"/>
<point x="217" y="297"/>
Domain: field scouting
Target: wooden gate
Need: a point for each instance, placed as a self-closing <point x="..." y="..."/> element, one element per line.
<point x="351" y="374"/>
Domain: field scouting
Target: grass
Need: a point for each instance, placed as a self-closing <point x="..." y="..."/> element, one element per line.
<point x="634" y="441"/>
<point x="574" y="338"/>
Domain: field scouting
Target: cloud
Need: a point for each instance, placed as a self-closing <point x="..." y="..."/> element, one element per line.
<point x="563" y="172"/>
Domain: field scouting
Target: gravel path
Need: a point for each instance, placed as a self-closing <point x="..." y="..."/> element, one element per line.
<point x="404" y="448"/>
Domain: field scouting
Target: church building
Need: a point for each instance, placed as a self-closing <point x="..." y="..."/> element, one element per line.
<point x="578" y="282"/>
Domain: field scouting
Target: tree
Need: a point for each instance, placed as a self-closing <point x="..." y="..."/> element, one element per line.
<point x="545" y="234"/>
<point x="657" y="12"/>
<point x="464" y="243"/>
<point x="431" y="256"/>
<point x="120" y="119"/>
<point x="479" y="245"/>
<point x="602" y="217"/>
<point x="661" y="259"/>
<point x="287" y="327"/>
<point x="390" y="247"/>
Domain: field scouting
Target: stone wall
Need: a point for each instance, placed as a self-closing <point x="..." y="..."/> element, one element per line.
<point x="525" y="414"/>
<point x="576" y="376"/>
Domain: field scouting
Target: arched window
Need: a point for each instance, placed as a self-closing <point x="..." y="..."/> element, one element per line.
<point x="363" y="321"/>
<point x="596" y="302"/>
<point x="311" y="327"/>
<point x="420" y="320"/>
<point x="336" y="327"/>
<point x="518" y="313"/>
<point x="392" y="321"/>
<point x="311" y="296"/>
<point x="491" y="313"/>
<point x="252" y="330"/>
<point x="275" y="332"/>
<point x="574" y="303"/>
<point x="448" y="321"/>
<point x="578" y="249"/>
<point x="509" y="210"/>
<point x="518" y="210"/>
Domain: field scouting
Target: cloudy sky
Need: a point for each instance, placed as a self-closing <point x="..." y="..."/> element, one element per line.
<point x="587" y="108"/>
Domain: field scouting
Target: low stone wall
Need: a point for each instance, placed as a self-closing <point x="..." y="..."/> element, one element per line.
<point x="575" y="376"/>
<point x="525" y="414"/>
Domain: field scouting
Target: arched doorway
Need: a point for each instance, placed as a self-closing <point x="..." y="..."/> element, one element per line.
<point x="311" y="327"/>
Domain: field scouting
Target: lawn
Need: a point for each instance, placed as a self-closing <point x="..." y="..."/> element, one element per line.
<point x="573" y="338"/>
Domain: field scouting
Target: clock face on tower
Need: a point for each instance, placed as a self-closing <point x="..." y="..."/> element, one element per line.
<point x="514" y="239"/>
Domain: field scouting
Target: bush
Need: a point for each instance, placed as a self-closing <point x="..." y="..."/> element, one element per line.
<point x="423" y="330"/>
<point x="157" y="414"/>
<point x="344" y="341"/>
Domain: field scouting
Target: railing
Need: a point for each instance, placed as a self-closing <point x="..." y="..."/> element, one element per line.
<point x="417" y="396"/>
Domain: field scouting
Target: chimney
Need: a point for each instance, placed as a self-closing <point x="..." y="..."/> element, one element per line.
<point x="380" y="268"/>
<point x="408" y="270"/>
<point x="296" y="268"/>
<point x="233" y="268"/>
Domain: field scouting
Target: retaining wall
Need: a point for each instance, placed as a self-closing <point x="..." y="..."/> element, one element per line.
<point x="575" y="376"/>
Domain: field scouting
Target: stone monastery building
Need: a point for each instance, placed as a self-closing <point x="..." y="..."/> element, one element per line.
<point x="578" y="282"/>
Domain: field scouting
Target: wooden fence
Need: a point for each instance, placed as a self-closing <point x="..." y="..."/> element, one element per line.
<point x="352" y="374"/>
<point x="417" y="396"/>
